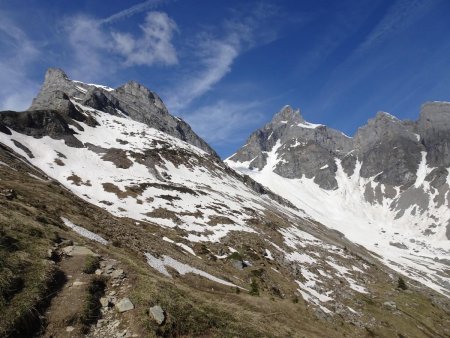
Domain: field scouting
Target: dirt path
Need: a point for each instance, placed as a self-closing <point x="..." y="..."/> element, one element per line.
<point x="115" y="311"/>
<point x="63" y="314"/>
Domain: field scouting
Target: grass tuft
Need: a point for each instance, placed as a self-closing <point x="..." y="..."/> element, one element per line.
<point x="91" y="264"/>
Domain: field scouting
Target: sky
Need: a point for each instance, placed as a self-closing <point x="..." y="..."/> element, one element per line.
<point x="226" y="67"/>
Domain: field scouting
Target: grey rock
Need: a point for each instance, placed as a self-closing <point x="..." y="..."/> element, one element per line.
<point x="398" y="245"/>
<point x="390" y="305"/>
<point x="305" y="148"/>
<point x="104" y="301"/>
<point x="239" y="264"/>
<point x="118" y="273"/>
<point x="124" y="305"/>
<point x="158" y="314"/>
<point x="433" y="127"/>
<point x="131" y="99"/>
<point x="40" y="123"/>
<point x="77" y="250"/>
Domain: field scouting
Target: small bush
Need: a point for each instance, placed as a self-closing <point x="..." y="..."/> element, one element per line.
<point x="254" y="288"/>
<point x="235" y="256"/>
<point x="401" y="284"/>
<point x="91" y="264"/>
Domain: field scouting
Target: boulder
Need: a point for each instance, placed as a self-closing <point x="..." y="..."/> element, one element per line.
<point x="77" y="250"/>
<point x="390" y="305"/>
<point x="124" y="305"/>
<point x="158" y="314"/>
<point x="117" y="273"/>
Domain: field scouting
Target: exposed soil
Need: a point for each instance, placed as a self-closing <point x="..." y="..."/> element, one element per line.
<point x="63" y="313"/>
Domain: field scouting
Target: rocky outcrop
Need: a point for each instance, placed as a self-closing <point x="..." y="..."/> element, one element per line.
<point x="132" y="99"/>
<point x="303" y="148"/>
<point x="40" y="123"/>
<point x="433" y="127"/>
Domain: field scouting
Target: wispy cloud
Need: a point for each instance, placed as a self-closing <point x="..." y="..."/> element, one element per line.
<point x="216" y="53"/>
<point x="155" y="44"/>
<point x="126" y="13"/>
<point x="357" y="68"/>
<point x="88" y="43"/>
<point x="98" y="49"/>
<point x="17" y="52"/>
<point x="400" y="15"/>
<point x="226" y="121"/>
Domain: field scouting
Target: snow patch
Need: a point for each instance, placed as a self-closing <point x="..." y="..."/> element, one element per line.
<point x="84" y="232"/>
<point x="160" y="264"/>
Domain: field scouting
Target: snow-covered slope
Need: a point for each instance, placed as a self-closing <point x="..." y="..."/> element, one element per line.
<point x="136" y="171"/>
<point x="405" y="225"/>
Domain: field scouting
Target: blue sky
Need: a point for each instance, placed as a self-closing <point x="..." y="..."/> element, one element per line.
<point x="227" y="66"/>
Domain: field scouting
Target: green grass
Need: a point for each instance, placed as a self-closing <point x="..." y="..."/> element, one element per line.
<point x="91" y="264"/>
<point x="92" y="306"/>
<point x="235" y="256"/>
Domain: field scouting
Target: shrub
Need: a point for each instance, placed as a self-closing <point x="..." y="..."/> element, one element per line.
<point x="91" y="264"/>
<point x="235" y="256"/>
<point x="254" y="288"/>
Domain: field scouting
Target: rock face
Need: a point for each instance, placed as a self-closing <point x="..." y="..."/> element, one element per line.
<point x="392" y="178"/>
<point x="302" y="147"/>
<point x="386" y="151"/>
<point x="132" y="99"/>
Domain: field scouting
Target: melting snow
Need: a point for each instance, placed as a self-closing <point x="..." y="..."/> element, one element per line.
<point x="346" y="210"/>
<point x="160" y="264"/>
<point x="84" y="232"/>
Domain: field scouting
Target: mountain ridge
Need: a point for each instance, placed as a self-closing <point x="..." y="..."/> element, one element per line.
<point x="131" y="99"/>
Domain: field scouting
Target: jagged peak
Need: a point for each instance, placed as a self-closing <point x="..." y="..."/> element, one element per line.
<point x="442" y="107"/>
<point x="287" y="114"/>
<point x="53" y="74"/>
<point x="381" y="115"/>
<point x="134" y="86"/>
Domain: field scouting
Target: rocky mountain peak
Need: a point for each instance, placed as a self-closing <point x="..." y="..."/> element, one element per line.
<point x="287" y="115"/>
<point x="55" y="74"/>
<point x="435" y="113"/>
<point x="382" y="115"/>
<point x="131" y="99"/>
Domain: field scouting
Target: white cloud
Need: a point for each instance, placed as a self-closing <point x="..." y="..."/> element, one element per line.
<point x="99" y="49"/>
<point x="216" y="54"/>
<point x="88" y="42"/>
<point x="18" y="52"/>
<point x="143" y="6"/>
<point x="153" y="47"/>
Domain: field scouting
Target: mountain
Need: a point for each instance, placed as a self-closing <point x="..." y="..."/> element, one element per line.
<point x="131" y="99"/>
<point x="386" y="188"/>
<point x="181" y="237"/>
